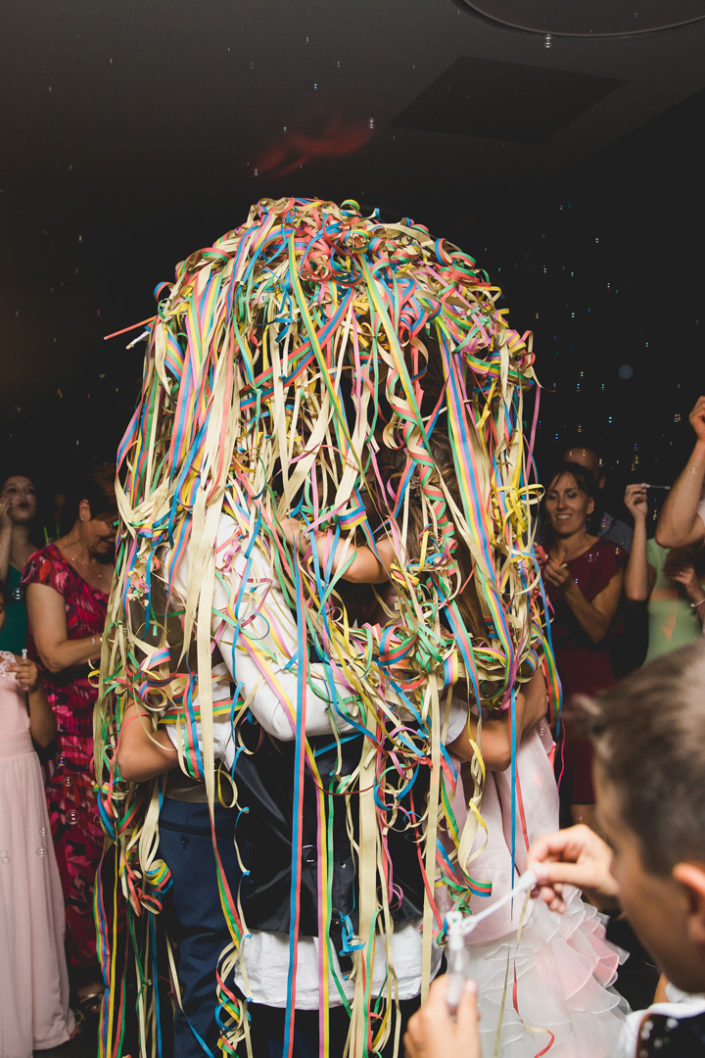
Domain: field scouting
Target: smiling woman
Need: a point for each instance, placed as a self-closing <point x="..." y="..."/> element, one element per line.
<point x="67" y="587"/>
<point x="583" y="577"/>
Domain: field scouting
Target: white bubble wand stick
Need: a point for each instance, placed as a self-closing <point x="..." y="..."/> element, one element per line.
<point x="457" y="928"/>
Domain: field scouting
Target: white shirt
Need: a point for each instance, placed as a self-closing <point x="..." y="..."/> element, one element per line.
<point x="683" y="1005"/>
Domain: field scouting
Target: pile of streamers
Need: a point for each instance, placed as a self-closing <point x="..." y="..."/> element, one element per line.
<point x="284" y="365"/>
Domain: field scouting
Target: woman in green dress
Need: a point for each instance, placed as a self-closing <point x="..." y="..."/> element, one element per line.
<point x="18" y="510"/>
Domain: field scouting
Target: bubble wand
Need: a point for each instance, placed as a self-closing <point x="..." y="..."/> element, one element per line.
<point x="458" y="926"/>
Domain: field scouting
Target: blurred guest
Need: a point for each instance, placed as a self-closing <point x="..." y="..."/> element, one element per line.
<point x="18" y="509"/>
<point x="681" y="522"/>
<point x="34" y="987"/>
<point x="667" y="579"/>
<point x="67" y="585"/>
<point x="608" y="527"/>
<point x="583" y="578"/>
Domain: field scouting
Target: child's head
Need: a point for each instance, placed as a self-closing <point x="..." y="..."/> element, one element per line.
<point x="393" y="464"/>
<point x="649" y="738"/>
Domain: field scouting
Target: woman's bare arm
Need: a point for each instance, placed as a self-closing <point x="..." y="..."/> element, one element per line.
<point x="47" y="618"/>
<point x="594" y="616"/>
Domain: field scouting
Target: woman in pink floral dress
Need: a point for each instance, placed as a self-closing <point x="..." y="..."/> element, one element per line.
<point x="67" y="585"/>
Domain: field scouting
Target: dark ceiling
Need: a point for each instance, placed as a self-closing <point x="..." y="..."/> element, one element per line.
<point x="135" y="131"/>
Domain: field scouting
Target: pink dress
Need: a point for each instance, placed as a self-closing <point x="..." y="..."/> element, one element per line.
<point x="73" y="809"/>
<point x="543" y="978"/>
<point x="34" y="987"/>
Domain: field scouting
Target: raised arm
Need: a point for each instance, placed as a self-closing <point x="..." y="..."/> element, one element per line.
<point x="5" y="537"/>
<point x="680" y="524"/>
<point x="42" y="722"/>
<point x="639" y="576"/>
<point x="47" y="618"/>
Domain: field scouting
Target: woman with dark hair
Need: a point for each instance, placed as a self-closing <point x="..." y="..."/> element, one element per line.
<point x="18" y="510"/>
<point x="67" y="585"/>
<point x="583" y="577"/>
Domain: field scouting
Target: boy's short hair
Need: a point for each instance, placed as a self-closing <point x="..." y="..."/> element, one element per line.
<point x="648" y="733"/>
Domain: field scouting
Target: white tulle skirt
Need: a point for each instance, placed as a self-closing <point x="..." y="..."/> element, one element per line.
<point x="546" y="991"/>
<point x="544" y="979"/>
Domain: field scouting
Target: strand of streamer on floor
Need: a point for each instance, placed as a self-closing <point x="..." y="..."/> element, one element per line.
<point x="282" y="364"/>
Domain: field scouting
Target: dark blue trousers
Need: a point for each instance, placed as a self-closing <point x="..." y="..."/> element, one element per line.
<point x="267" y="1025"/>
<point x="194" y="917"/>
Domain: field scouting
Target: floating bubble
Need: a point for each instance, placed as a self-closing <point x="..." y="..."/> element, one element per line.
<point x="625" y="371"/>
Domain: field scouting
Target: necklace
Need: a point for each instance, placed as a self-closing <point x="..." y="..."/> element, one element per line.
<point x="75" y="561"/>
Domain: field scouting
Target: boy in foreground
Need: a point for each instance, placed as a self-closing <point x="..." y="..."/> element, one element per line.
<point x="648" y="734"/>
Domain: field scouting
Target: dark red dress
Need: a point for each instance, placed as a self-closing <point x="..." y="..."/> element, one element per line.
<point x="73" y="810"/>
<point x="584" y="667"/>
